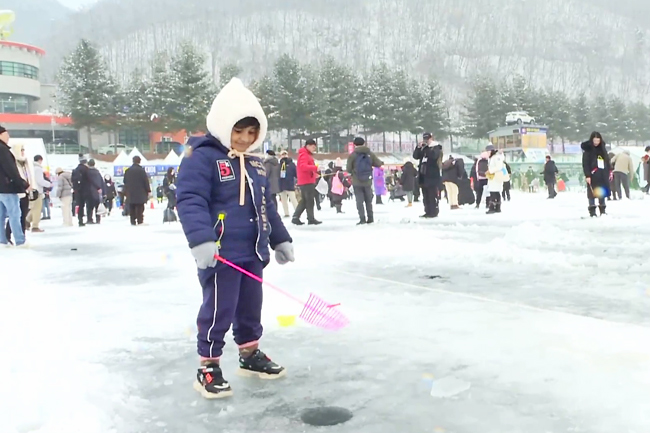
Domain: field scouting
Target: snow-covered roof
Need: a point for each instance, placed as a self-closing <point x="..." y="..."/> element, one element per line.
<point x="172" y="158"/>
<point x="136" y="152"/>
<point x="122" y="159"/>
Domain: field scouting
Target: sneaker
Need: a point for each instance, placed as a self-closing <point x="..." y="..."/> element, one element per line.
<point x="259" y="365"/>
<point x="297" y="222"/>
<point x="314" y="222"/>
<point x="210" y="382"/>
<point x="409" y="205"/>
<point x="362" y="222"/>
<point x="37" y="230"/>
<point x="23" y="246"/>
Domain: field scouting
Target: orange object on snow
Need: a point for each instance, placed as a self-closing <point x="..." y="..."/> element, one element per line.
<point x="151" y="207"/>
<point x="561" y="186"/>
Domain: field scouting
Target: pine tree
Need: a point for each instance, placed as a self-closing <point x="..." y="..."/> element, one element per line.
<point x="334" y="113"/>
<point x="158" y="103"/>
<point x="378" y="102"/>
<point x="264" y="90"/>
<point x="191" y="89"/>
<point x="639" y="122"/>
<point x="405" y="109"/>
<point x="484" y="109"/>
<point x="581" y="119"/>
<point x="621" y="126"/>
<point x="601" y="117"/>
<point x="434" y="114"/>
<point x="227" y="72"/>
<point x="289" y="95"/>
<point x="85" y="88"/>
<point x="136" y="111"/>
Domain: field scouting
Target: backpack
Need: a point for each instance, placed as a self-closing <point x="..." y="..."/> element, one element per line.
<point x="363" y="167"/>
<point x="77" y="178"/>
<point x="483" y="167"/>
<point x="337" y="185"/>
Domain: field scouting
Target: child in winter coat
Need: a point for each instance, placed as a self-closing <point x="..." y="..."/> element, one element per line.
<point x="228" y="216"/>
<point x="340" y="186"/>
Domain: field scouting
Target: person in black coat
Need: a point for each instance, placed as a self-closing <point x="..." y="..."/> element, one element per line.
<point x="550" y="170"/>
<point x="429" y="153"/>
<point x="169" y="188"/>
<point x="465" y="192"/>
<point x="11" y="184"/>
<point x="506" y="185"/>
<point x="111" y="193"/>
<point x="408" y="179"/>
<point x="596" y="167"/>
<point x="96" y="197"/>
<point x="82" y="188"/>
<point x="136" y="190"/>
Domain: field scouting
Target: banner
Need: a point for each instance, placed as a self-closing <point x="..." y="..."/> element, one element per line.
<point x="151" y="170"/>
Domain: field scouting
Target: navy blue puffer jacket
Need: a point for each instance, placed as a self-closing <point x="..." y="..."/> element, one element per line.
<point x="208" y="204"/>
<point x="208" y="185"/>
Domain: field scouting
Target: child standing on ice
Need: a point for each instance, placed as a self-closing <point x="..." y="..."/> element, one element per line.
<point x="226" y="209"/>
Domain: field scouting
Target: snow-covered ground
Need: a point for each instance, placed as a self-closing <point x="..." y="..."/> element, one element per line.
<point x="544" y="315"/>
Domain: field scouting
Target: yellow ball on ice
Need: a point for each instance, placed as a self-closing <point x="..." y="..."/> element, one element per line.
<point x="286" y="321"/>
<point x="600" y="192"/>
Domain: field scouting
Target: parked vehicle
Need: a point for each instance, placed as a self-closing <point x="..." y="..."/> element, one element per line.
<point x="111" y="149"/>
<point x="519" y="117"/>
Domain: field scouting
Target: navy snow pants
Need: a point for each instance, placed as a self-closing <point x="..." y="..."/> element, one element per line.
<point x="229" y="298"/>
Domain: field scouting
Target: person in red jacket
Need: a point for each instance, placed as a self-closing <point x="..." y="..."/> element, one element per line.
<point x="307" y="174"/>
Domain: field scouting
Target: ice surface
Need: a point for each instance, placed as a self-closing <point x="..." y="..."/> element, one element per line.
<point x="545" y="314"/>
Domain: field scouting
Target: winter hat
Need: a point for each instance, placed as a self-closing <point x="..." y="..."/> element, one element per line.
<point x="58" y="171"/>
<point x="83" y="158"/>
<point x="234" y="103"/>
<point x="270" y="152"/>
<point x="427" y="135"/>
<point x="284" y="153"/>
<point x="3" y="129"/>
<point x="489" y="148"/>
<point x="338" y="163"/>
<point x="311" y="141"/>
<point x="359" y="141"/>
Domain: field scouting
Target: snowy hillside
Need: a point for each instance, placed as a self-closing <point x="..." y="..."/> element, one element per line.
<point x="570" y="45"/>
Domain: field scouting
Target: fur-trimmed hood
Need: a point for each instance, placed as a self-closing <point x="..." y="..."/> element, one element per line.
<point x="232" y="104"/>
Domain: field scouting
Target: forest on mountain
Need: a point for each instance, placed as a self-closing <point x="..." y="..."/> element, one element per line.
<point x="573" y="46"/>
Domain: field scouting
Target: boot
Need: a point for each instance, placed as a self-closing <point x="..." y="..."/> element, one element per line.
<point x="210" y="382"/>
<point x="592" y="211"/>
<point x="492" y="208"/>
<point x="602" y="210"/>
<point x="498" y="207"/>
<point x="260" y="365"/>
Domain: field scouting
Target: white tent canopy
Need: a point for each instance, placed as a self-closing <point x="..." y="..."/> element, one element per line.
<point x="172" y="158"/>
<point x="136" y="152"/>
<point x="122" y="159"/>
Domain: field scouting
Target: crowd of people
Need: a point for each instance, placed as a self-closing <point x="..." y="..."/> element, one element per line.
<point x="83" y="193"/>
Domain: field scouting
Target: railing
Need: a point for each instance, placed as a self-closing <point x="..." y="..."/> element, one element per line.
<point x="65" y="149"/>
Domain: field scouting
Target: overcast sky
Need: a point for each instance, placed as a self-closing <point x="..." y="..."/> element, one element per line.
<point x="74" y="4"/>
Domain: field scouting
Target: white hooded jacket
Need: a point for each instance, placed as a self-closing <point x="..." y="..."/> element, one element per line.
<point x="234" y="103"/>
